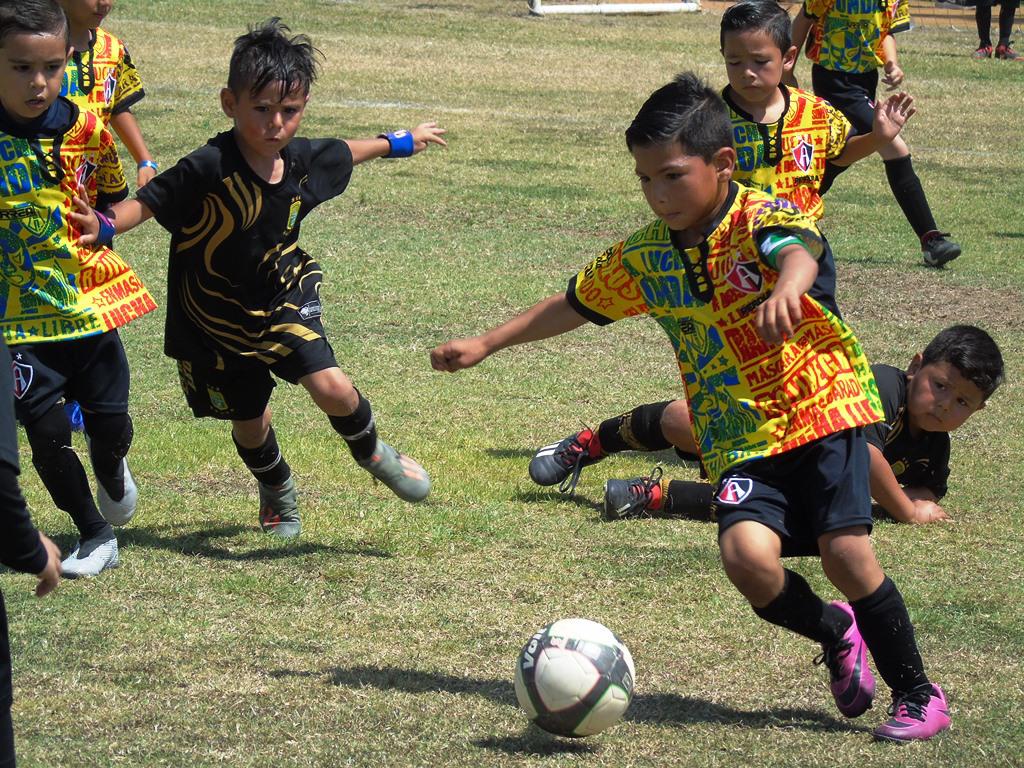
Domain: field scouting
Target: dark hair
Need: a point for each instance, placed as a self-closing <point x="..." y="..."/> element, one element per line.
<point x="33" y="17"/>
<point x="685" y="110"/>
<point x="764" y="15"/>
<point x="972" y="352"/>
<point x="267" y="55"/>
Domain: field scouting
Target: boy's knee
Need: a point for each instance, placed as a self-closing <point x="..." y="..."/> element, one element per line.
<point x="750" y="556"/>
<point x="849" y="562"/>
<point x="675" y="424"/>
<point x="332" y="391"/>
<point x="252" y="433"/>
<point x="49" y="433"/>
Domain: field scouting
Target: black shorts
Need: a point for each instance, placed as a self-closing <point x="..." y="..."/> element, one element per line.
<point x="800" y="494"/>
<point x="93" y="371"/>
<point x="1002" y="3"/>
<point x="852" y="93"/>
<point x="242" y="389"/>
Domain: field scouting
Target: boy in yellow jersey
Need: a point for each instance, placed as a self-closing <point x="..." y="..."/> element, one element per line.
<point x="62" y="302"/>
<point x="784" y="137"/>
<point x="856" y="40"/>
<point x="778" y="387"/>
<point x="243" y="299"/>
<point x="102" y="78"/>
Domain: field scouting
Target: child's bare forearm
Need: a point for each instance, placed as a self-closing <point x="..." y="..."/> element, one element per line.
<point x="127" y="128"/>
<point x="551" y="317"/>
<point x="128" y="214"/>
<point x="368" y="149"/>
<point x="802" y="24"/>
<point x="887" y="491"/>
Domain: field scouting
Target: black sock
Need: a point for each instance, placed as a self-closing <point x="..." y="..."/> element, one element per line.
<point x="1007" y="11"/>
<point x="266" y="463"/>
<point x="63" y="474"/>
<point x="983" y="17"/>
<point x="906" y="188"/>
<point x="110" y="438"/>
<point x="689" y="499"/>
<point x="635" y="430"/>
<point x="7" y="755"/>
<point x="799" y="610"/>
<point x="358" y="429"/>
<point x="884" y="624"/>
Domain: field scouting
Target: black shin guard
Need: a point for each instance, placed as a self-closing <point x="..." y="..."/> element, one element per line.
<point x="635" y="430"/>
<point x="62" y="473"/>
<point x="110" y="438"/>
<point x="692" y="500"/>
<point x="266" y="462"/>
<point x="799" y="610"/>
<point x="884" y="624"/>
<point x="906" y="188"/>
<point x="358" y="429"/>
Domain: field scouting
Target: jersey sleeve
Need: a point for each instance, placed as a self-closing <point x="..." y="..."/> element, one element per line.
<point x="175" y="195"/>
<point x="888" y="379"/>
<point x="777" y="224"/>
<point x="330" y="168"/>
<point x="128" y="90"/>
<point x="605" y="290"/>
<point x="839" y="132"/>
<point x="901" y="17"/>
<point x="111" y="186"/>
<point x="817" y="8"/>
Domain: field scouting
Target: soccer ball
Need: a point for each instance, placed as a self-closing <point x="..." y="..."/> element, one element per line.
<point x="574" y="678"/>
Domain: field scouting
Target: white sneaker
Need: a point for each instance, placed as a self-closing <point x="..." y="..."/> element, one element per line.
<point x="118" y="512"/>
<point x="90" y="558"/>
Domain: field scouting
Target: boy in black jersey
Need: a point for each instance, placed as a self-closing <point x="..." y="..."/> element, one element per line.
<point x="943" y="386"/>
<point x="952" y="379"/>
<point x="243" y="300"/>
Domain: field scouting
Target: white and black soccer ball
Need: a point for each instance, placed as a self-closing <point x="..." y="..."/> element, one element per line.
<point x="574" y="678"/>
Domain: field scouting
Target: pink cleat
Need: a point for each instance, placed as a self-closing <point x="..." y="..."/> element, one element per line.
<point x="916" y="716"/>
<point x="853" y="685"/>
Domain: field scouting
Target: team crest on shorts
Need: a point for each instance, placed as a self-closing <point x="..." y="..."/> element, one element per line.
<point x="803" y="154"/>
<point x="734" y="490"/>
<point x="22" y="378"/>
<point x="217" y="400"/>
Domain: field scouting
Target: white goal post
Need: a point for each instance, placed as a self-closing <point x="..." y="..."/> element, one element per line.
<point x="540" y="8"/>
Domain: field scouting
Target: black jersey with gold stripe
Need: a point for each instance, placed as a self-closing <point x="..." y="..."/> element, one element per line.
<point x="238" y="284"/>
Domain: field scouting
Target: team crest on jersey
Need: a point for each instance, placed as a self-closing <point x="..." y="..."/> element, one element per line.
<point x="734" y="490"/>
<point x="109" y="86"/>
<point x="312" y="309"/>
<point x="22" y="378"/>
<point x="293" y="214"/>
<point x="746" y="277"/>
<point x="803" y="154"/>
<point x="85" y="172"/>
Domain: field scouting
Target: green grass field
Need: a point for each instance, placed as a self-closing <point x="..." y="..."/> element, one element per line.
<point x="387" y="635"/>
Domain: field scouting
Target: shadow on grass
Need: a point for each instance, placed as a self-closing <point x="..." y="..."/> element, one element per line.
<point x="536" y="742"/>
<point x="666" y="708"/>
<point x="544" y="497"/>
<point x="203" y="543"/>
<point x="510" y="453"/>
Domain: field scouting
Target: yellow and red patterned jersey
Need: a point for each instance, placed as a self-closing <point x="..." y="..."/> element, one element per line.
<point x="103" y="78"/>
<point x="51" y="287"/>
<point x="847" y="35"/>
<point x="748" y="399"/>
<point x="787" y="158"/>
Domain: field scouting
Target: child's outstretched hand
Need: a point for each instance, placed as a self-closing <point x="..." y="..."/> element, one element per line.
<point x="458" y="354"/>
<point x="892" y="114"/>
<point x="893" y="75"/>
<point x="427" y="133"/>
<point x="928" y="512"/>
<point x="776" y="318"/>
<point x="83" y="217"/>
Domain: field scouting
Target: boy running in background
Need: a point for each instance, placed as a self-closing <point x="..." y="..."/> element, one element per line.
<point x="778" y="387"/>
<point x="243" y="300"/>
<point x="101" y="77"/>
<point x="62" y="302"/>
<point x="856" y="39"/>
<point x="784" y="139"/>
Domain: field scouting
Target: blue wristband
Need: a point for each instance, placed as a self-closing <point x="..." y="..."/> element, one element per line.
<point x="107" y="231"/>
<point x="401" y="142"/>
<point x="148" y="164"/>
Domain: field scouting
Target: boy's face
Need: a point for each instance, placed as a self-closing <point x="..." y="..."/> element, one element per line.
<point x="86" y="14"/>
<point x="31" y="70"/>
<point x="265" y="122"/>
<point x="683" y="190"/>
<point x="939" y="397"/>
<point x="755" y="64"/>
